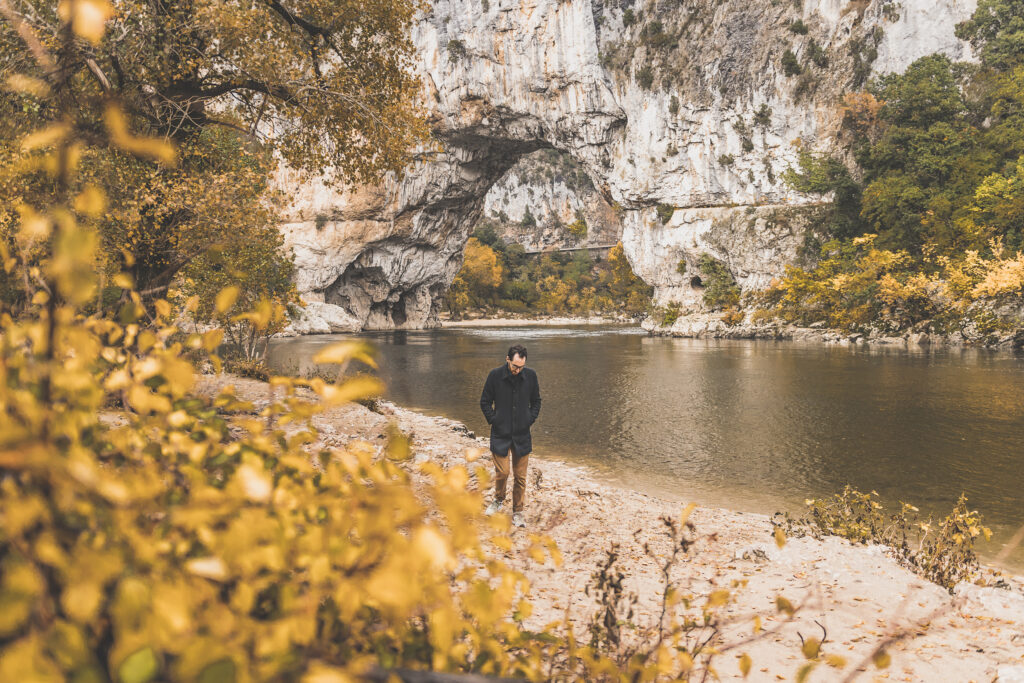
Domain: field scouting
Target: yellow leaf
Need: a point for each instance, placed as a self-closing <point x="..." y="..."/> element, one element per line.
<point x="745" y="664"/>
<point x="256" y="483"/>
<point x="433" y="549"/>
<point x="91" y="201"/>
<point x="212" y="339"/>
<point x="163" y="308"/>
<point x="147" y="147"/>
<point x="45" y="137"/>
<point x="784" y="605"/>
<point x="142" y="400"/>
<point x="34" y="227"/>
<point x="177" y="419"/>
<point x="835" y="661"/>
<point x="260" y="317"/>
<point x="780" y="537"/>
<point x="118" y="379"/>
<point x="717" y="598"/>
<point x="687" y="511"/>
<point x="350" y="390"/>
<point x="226" y="298"/>
<point x="343" y="352"/>
<point x="536" y="553"/>
<point x="139" y="667"/>
<point x="88" y="17"/>
<point x="81" y="600"/>
<point x="27" y="84"/>
<point x="804" y="671"/>
<point x="321" y="673"/>
<point x="208" y="567"/>
<point x="399" y="445"/>
<point x="179" y="375"/>
<point x="811" y="648"/>
<point x="881" y="659"/>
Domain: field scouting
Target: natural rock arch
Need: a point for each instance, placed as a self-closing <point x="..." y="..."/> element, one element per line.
<point x="386" y="254"/>
<point x="505" y="78"/>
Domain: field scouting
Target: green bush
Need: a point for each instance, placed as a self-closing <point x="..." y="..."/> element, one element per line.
<point x="456" y="50"/>
<point x="578" y="228"/>
<point x="528" y="221"/>
<point x="645" y="77"/>
<point x="816" y="54"/>
<point x="790" y="64"/>
<point x="720" y="289"/>
<point x="798" y="27"/>
<point x="670" y="314"/>
<point x="665" y="212"/>
<point x="763" y="116"/>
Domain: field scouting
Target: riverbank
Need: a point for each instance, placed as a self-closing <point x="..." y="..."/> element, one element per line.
<point x="552" y="321"/>
<point x="713" y="326"/>
<point x="857" y="594"/>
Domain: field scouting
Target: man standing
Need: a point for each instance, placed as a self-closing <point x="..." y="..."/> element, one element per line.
<point x="511" y="403"/>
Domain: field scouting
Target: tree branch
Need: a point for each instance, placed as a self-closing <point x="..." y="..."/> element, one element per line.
<point x="98" y="73"/>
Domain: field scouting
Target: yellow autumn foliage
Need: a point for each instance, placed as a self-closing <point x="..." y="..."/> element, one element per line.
<point x="151" y="532"/>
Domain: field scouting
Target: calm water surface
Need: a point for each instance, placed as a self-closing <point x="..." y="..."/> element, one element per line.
<point x="754" y="426"/>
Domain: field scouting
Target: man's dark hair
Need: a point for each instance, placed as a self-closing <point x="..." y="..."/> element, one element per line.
<point x="517" y="350"/>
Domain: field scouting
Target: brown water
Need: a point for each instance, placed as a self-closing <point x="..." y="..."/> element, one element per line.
<point x="753" y="426"/>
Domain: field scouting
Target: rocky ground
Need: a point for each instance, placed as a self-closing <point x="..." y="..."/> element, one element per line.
<point x="856" y="596"/>
<point x="712" y="326"/>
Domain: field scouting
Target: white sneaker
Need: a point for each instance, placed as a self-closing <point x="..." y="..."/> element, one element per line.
<point x="495" y="506"/>
<point x="518" y="519"/>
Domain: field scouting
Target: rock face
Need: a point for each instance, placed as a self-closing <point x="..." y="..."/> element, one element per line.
<point x="698" y="106"/>
<point x="543" y="198"/>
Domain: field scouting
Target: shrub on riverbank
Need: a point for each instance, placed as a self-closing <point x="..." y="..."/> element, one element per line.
<point x="858" y="287"/>
<point x="942" y="552"/>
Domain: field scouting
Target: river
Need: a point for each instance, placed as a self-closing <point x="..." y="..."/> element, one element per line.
<point x="746" y="425"/>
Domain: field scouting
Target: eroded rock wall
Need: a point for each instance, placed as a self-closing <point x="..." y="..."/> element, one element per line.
<point x="688" y="105"/>
<point x="543" y="198"/>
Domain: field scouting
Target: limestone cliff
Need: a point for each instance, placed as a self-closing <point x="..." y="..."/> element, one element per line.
<point x="697" y="106"/>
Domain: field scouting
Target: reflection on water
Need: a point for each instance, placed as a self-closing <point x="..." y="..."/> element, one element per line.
<point x="747" y="425"/>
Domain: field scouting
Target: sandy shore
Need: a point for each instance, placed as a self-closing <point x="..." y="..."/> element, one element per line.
<point x="857" y="595"/>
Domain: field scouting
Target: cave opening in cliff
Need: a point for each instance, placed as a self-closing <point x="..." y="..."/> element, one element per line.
<point x="696" y="282"/>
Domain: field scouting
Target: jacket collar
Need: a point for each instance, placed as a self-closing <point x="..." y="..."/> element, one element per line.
<point x="507" y="374"/>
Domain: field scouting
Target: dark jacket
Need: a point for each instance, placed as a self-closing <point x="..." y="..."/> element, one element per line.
<point x="511" y="403"/>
